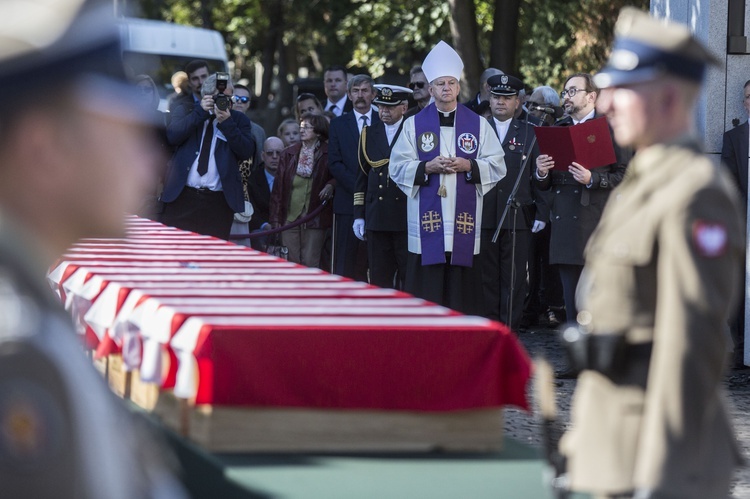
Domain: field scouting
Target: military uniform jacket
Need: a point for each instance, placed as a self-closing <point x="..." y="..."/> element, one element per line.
<point x="377" y="198"/>
<point x="517" y="144"/>
<point x="64" y="433"/>
<point x="662" y="267"/>
<point x="575" y="209"/>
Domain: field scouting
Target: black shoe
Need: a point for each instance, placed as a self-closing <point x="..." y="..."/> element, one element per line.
<point x="567" y="373"/>
<point x="552" y="319"/>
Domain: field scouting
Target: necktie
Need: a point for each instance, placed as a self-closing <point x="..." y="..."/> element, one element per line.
<point x="206" y="147"/>
<point x="364" y="122"/>
<point x="332" y="108"/>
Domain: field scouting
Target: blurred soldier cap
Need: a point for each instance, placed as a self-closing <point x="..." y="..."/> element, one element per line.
<point x="442" y="61"/>
<point x="44" y="43"/>
<point x="647" y="48"/>
<point x="390" y="95"/>
<point x="504" y="85"/>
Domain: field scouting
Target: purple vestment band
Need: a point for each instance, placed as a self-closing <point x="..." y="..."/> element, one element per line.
<point x="427" y="131"/>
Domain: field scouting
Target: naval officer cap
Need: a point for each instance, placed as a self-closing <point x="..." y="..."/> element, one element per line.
<point x="48" y="43"/>
<point x="504" y="85"/>
<point x="390" y="95"/>
<point x="442" y="61"/>
<point x="646" y="48"/>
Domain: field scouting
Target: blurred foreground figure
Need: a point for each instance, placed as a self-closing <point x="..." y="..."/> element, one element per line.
<point x="660" y="279"/>
<point x="73" y="160"/>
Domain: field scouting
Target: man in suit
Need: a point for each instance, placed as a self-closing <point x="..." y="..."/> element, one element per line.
<point x="578" y="194"/>
<point x="649" y="417"/>
<point x="420" y="91"/>
<point x="260" y="186"/>
<point x="337" y="98"/>
<point x="504" y="261"/>
<point x="734" y="153"/>
<point x="203" y="187"/>
<point x="197" y="72"/>
<point x="343" y="163"/>
<point x="484" y="89"/>
<point x="445" y="159"/>
<point x="379" y="205"/>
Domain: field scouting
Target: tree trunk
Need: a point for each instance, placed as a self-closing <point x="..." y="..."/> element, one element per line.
<point x="504" y="39"/>
<point x="464" y="32"/>
<point x="206" y="17"/>
<point x="274" y="12"/>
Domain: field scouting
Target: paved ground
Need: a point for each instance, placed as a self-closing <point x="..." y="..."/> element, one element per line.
<point x="524" y="427"/>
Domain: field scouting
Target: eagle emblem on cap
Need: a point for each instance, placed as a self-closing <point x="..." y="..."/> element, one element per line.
<point x="427" y="142"/>
<point x="504" y="79"/>
<point x="467" y="142"/>
<point x="386" y="92"/>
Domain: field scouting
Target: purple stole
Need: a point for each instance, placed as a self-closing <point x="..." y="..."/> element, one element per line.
<point x="427" y="132"/>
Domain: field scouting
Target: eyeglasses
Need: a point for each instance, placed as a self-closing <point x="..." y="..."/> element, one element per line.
<point x="416" y="84"/>
<point x="572" y="91"/>
<point x="243" y="99"/>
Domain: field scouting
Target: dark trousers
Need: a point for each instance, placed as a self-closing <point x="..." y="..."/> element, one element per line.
<point x="569" y="275"/>
<point x="498" y="262"/>
<point x="386" y="254"/>
<point x="452" y="286"/>
<point x="201" y="211"/>
<point x="350" y="254"/>
<point x="545" y="289"/>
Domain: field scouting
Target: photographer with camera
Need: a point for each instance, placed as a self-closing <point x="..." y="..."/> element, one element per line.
<point x="203" y="187"/>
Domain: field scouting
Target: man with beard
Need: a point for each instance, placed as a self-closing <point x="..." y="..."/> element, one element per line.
<point x="379" y="205"/>
<point x="343" y="163"/>
<point x="578" y="194"/>
<point x="446" y="158"/>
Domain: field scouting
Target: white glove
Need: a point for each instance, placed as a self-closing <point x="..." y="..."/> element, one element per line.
<point x="359" y="228"/>
<point x="538" y="226"/>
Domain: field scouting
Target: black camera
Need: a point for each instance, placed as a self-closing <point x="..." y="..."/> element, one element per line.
<point x="221" y="100"/>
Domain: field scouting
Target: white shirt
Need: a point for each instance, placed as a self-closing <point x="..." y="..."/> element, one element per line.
<point x="390" y="130"/>
<point x="502" y="128"/>
<point x="339" y="109"/>
<point x="358" y="117"/>
<point x="211" y="179"/>
<point x="585" y="118"/>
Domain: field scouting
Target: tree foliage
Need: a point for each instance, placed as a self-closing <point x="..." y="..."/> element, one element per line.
<point x="540" y="40"/>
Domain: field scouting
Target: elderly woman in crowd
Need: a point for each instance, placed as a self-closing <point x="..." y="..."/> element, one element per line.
<point x="302" y="184"/>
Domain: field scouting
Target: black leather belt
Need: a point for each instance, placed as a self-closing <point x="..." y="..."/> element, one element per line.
<point x="203" y="191"/>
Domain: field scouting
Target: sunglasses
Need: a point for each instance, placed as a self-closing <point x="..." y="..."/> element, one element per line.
<point x="242" y="99"/>
<point x="416" y="84"/>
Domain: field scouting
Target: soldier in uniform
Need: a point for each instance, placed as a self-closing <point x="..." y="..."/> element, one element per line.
<point x="648" y="415"/>
<point x="74" y="159"/>
<point x="379" y="205"/>
<point x="504" y="262"/>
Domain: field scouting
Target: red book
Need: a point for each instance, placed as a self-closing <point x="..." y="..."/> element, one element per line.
<point x="588" y="144"/>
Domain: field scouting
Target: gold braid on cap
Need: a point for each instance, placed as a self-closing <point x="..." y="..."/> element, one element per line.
<point x="363" y="147"/>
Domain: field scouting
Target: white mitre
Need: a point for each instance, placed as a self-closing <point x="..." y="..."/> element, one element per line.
<point x="442" y="61"/>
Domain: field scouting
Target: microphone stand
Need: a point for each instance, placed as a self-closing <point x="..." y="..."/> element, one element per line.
<point x="514" y="204"/>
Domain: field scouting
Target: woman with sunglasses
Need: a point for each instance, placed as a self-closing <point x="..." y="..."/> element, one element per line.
<point x="302" y="184"/>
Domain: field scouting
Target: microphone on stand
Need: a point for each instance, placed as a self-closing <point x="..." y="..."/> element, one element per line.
<point x="554" y="111"/>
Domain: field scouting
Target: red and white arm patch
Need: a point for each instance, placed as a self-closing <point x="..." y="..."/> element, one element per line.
<point x="710" y="238"/>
